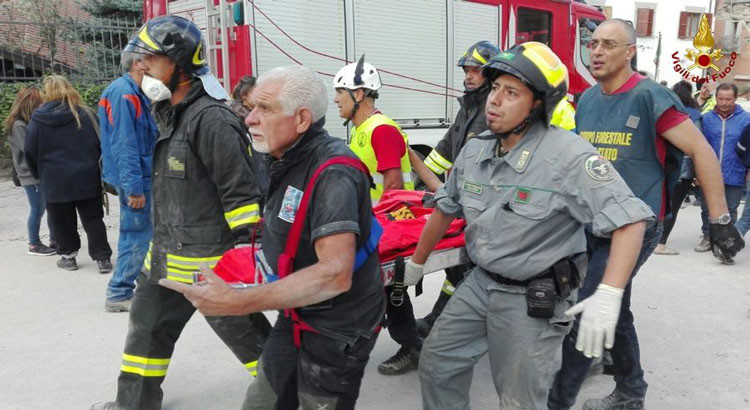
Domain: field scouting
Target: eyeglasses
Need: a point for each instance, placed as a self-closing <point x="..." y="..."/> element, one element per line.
<point x="606" y="44"/>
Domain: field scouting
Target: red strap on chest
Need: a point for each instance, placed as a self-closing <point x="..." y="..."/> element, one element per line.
<point x="285" y="265"/>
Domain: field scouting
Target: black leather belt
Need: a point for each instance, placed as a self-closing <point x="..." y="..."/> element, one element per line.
<point x="512" y="282"/>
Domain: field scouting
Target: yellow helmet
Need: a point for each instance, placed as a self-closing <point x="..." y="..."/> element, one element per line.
<point x="538" y="67"/>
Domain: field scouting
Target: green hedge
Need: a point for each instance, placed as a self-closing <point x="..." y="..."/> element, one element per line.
<point x="89" y="91"/>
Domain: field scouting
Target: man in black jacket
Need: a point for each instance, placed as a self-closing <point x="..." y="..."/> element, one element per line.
<point x="205" y="202"/>
<point x="333" y="299"/>
<point x="470" y="121"/>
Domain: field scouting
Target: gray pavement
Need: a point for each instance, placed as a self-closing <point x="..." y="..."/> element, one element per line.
<point x="60" y="350"/>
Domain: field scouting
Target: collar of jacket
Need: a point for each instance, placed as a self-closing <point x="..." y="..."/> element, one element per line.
<point x="476" y="97"/>
<point x="301" y="150"/>
<point x="165" y="112"/>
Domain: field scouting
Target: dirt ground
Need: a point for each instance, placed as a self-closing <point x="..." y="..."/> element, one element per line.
<point x="60" y="350"/>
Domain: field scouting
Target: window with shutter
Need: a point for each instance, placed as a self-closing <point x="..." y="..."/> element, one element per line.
<point x="682" y="31"/>
<point x="689" y="23"/>
<point x="644" y="22"/>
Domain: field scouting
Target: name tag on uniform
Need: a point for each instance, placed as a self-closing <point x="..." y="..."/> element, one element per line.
<point x="633" y="122"/>
<point x="290" y="204"/>
<point x="472" y="187"/>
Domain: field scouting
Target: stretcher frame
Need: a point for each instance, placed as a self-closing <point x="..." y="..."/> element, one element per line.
<point x="437" y="261"/>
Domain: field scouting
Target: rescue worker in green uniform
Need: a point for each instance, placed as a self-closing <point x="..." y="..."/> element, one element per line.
<point x="469" y="122"/>
<point x="383" y="147"/>
<point x="526" y="190"/>
<point x="205" y="202"/>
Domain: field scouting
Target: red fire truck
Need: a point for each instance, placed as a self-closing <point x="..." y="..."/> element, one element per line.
<point x="414" y="43"/>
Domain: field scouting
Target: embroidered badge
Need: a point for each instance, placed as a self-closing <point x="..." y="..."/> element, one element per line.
<point x="174" y="164"/>
<point x="522" y="159"/>
<point x="523" y="195"/>
<point x="633" y="122"/>
<point x="292" y="198"/>
<point x="472" y="187"/>
<point x="599" y="168"/>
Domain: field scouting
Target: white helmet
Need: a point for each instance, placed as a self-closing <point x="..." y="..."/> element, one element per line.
<point x="358" y="75"/>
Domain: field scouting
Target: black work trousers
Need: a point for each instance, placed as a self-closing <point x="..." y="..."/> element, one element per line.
<point x="157" y="317"/>
<point x="65" y="225"/>
<point x="322" y="374"/>
<point x="400" y="321"/>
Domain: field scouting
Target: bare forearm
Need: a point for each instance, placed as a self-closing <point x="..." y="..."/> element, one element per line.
<point x="432" y="233"/>
<point x="626" y="245"/>
<point x="308" y="286"/>
<point x="425" y="174"/>
<point x="709" y="176"/>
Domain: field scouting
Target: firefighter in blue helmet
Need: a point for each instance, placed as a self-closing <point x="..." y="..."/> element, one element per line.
<point x="205" y="202"/>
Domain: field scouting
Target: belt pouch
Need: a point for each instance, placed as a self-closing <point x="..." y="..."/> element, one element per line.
<point x="540" y="298"/>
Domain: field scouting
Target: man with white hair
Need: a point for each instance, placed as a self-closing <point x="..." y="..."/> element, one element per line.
<point x="329" y="288"/>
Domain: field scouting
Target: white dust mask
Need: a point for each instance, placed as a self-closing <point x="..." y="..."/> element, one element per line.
<point x="155" y="89"/>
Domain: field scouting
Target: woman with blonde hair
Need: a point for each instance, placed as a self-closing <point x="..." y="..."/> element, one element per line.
<point x="63" y="150"/>
<point x="27" y="100"/>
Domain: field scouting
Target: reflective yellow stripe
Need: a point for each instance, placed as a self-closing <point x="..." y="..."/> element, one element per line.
<point x="143" y="35"/>
<point x="448" y="288"/>
<point x="437" y="163"/>
<point x="147" y="259"/>
<point x="564" y="115"/>
<point x="247" y="214"/>
<point x="180" y="279"/>
<point x="478" y="56"/>
<point x="144" y="366"/>
<point x="193" y="259"/>
<point x="252" y="367"/>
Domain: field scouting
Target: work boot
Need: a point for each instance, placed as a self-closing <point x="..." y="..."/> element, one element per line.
<point x="727" y="261"/>
<point x="67" y="263"/>
<point x="704" y="246"/>
<point x="41" y="250"/>
<point x="105" y="266"/>
<point x="115" y="306"/>
<point x="615" y="401"/>
<point x="106" y="405"/>
<point x="404" y="361"/>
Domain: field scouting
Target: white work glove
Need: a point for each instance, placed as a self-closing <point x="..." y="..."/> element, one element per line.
<point x="413" y="272"/>
<point x="598" y="321"/>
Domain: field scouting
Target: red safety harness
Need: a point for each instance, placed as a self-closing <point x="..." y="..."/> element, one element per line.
<point x="286" y="259"/>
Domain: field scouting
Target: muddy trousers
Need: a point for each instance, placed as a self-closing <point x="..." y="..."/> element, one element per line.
<point x="323" y="374"/>
<point x="157" y="317"/>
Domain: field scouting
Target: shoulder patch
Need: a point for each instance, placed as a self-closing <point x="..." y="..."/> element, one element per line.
<point x="599" y="169"/>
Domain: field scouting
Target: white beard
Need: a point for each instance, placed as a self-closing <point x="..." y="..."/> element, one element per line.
<point x="261" y="147"/>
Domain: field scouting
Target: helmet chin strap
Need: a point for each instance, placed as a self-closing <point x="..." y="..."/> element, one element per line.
<point x="534" y="115"/>
<point x="354" y="110"/>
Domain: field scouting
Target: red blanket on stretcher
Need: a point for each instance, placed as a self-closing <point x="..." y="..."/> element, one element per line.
<point x="401" y="213"/>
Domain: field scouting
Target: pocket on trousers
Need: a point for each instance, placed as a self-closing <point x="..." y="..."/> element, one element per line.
<point x="331" y="366"/>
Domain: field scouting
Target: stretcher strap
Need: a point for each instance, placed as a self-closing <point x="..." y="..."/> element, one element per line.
<point x="286" y="259"/>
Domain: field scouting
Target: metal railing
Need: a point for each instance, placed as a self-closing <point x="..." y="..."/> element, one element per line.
<point x="83" y="50"/>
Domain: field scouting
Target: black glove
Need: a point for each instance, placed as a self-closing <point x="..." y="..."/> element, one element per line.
<point x="726" y="241"/>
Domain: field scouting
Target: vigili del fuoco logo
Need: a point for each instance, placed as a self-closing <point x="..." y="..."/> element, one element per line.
<point x="703" y="57"/>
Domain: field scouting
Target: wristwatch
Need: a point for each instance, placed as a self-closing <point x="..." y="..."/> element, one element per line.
<point x="722" y="220"/>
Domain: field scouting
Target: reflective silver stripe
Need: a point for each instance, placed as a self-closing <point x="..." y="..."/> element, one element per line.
<point x="144" y="366"/>
<point x="378" y="177"/>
